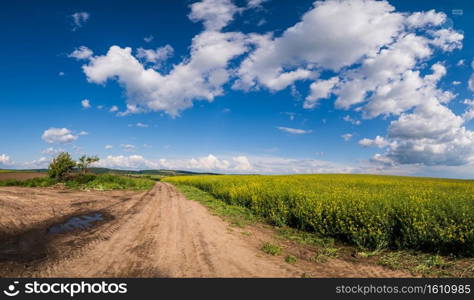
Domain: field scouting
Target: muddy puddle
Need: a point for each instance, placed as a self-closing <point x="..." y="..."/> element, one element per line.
<point x="82" y="222"/>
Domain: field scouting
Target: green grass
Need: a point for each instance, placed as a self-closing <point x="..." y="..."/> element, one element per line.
<point x="290" y="259"/>
<point x="87" y="181"/>
<point x="369" y="211"/>
<point x="110" y="182"/>
<point x="271" y="249"/>
<point x="237" y="215"/>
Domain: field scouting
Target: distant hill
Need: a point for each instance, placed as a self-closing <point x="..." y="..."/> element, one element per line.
<point x="161" y="172"/>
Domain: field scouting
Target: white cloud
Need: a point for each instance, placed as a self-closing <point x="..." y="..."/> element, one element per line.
<point x="5" y="159"/>
<point x="422" y="19"/>
<point x="320" y="89"/>
<point x="348" y="118"/>
<point x="108" y="147"/>
<point x="52" y="151"/>
<point x="113" y="108"/>
<point x="40" y="163"/>
<point x="381" y="58"/>
<point x="128" y="147"/>
<point x="58" y="135"/>
<point x="347" y="136"/>
<point x="471" y="83"/>
<point x="81" y="53"/>
<point x="255" y="3"/>
<point x="86" y="103"/>
<point x="142" y="125"/>
<point x="378" y="142"/>
<point x="293" y="130"/>
<point x="332" y="35"/>
<point x="215" y="14"/>
<point x="83" y="133"/>
<point x="126" y="162"/>
<point x="148" y="39"/>
<point x="236" y="164"/>
<point x="201" y="77"/>
<point x="243" y="163"/>
<point x="469" y="113"/>
<point x="198" y="78"/>
<point x="79" y="19"/>
<point x="456" y="82"/>
<point x="155" y="57"/>
<point x="461" y="62"/>
<point x="430" y="135"/>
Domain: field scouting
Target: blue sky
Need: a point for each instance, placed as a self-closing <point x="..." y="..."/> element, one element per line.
<point x="241" y="86"/>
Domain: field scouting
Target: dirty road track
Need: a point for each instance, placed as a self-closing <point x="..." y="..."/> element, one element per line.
<point x="158" y="233"/>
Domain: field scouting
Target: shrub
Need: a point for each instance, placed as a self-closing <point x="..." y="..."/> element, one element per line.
<point x="61" y="166"/>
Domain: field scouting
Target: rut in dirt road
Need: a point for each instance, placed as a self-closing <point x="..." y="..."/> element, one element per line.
<point x="160" y="233"/>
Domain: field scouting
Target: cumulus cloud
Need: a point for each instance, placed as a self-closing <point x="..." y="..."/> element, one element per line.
<point x="320" y="89"/>
<point x="108" y="147"/>
<point x="81" y="53"/>
<point x="5" y="160"/>
<point x="52" y="151"/>
<point x="79" y="19"/>
<point x="348" y="118"/>
<point x="85" y="103"/>
<point x="58" y="135"/>
<point x="114" y="108"/>
<point x="377" y="59"/>
<point x="469" y="113"/>
<point x="470" y="83"/>
<point x="255" y="3"/>
<point x="142" y="125"/>
<point x="347" y="136"/>
<point x="331" y="35"/>
<point x="201" y="77"/>
<point x="293" y="130"/>
<point x="430" y="135"/>
<point x="215" y="14"/>
<point x="126" y="162"/>
<point x="378" y="142"/>
<point x="128" y="147"/>
<point x="237" y="164"/>
<point x="148" y="39"/>
<point x="155" y="56"/>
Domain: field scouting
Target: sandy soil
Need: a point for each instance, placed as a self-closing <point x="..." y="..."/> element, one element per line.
<point x="20" y="175"/>
<point x="158" y="233"/>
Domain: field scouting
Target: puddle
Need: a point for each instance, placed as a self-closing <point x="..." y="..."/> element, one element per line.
<point x="80" y="222"/>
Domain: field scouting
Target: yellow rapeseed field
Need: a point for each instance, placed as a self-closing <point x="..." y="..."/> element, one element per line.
<point x="367" y="210"/>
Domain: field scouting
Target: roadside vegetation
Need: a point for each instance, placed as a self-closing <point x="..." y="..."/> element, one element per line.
<point x="371" y="212"/>
<point x="65" y="171"/>
<point x="320" y="248"/>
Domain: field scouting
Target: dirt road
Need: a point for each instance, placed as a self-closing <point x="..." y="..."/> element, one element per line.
<point x="158" y="233"/>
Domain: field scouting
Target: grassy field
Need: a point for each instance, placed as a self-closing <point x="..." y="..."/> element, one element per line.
<point x="87" y="181"/>
<point x="372" y="212"/>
